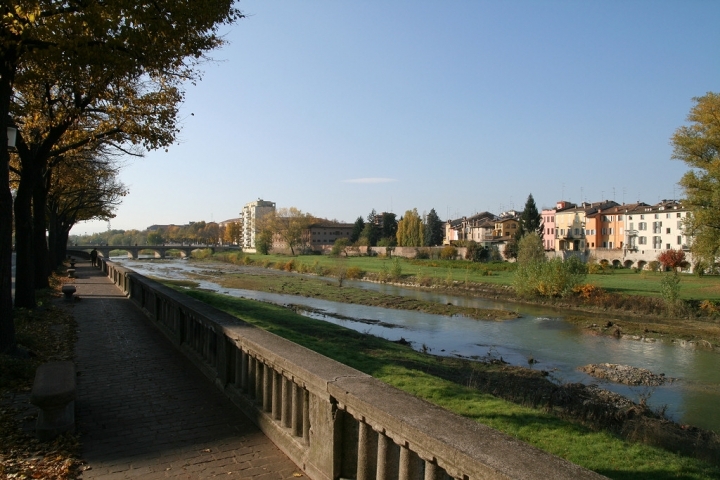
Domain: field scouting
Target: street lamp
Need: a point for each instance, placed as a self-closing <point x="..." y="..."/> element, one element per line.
<point x="11" y="133"/>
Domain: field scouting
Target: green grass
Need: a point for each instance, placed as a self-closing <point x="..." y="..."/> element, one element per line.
<point x="625" y="281"/>
<point x="423" y="376"/>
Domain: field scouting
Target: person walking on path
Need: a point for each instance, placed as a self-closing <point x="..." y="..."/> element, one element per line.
<point x="93" y="257"/>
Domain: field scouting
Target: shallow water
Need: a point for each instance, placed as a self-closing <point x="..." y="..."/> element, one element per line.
<point x="541" y="334"/>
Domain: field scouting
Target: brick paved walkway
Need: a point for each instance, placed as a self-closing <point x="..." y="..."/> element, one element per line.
<point x="144" y="411"/>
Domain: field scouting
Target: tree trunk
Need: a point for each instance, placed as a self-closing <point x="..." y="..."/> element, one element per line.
<point x="7" y="325"/>
<point x="24" y="261"/>
<point x="40" y="245"/>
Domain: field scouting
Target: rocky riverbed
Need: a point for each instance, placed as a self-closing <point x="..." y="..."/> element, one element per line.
<point x="626" y="374"/>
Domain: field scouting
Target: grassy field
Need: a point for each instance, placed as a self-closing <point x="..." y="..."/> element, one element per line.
<point x="428" y="377"/>
<point x="625" y="281"/>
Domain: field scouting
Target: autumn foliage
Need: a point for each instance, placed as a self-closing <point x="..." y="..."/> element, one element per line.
<point x="672" y="259"/>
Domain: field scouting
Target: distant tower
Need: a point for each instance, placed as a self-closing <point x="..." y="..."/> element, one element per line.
<point x="251" y="213"/>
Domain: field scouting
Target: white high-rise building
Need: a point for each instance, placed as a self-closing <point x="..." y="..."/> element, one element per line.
<point x="251" y="213"/>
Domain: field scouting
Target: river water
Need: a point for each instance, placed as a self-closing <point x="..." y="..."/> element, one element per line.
<point x="540" y="333"/>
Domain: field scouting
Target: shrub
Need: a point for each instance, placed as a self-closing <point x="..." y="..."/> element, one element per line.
<point x="654" y="265"/>
<point x="422" y="254"/>
<point x="448" y="252"/>
<point x="670" y="289"/>
<point x="355" y="272"/>
<point x="588" y="291"/>
<point x="396" y="271"/>
<point x="289" y="266"/>
<point x="247" y="260"/>
<point x="553" y="278"/>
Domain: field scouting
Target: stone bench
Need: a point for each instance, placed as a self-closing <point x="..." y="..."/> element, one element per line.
<point x="68" y="291"/>
<point x="53" y="392"/>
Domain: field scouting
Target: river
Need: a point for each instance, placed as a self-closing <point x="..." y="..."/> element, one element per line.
<point x="540" y="333"/>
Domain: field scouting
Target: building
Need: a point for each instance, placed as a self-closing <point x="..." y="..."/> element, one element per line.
<point x="251" y="214"/>
<point x="321" y="236"/>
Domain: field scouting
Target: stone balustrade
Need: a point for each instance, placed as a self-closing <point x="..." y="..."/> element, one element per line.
<point x="333" y="421"/>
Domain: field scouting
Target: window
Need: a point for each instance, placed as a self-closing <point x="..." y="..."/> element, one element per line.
<point x="642" y="217"/>
<point x="610" y="232"/>
<point x="668" y="247"/>
<point x="610" y="245"/>
<point x="577" y="231"/>
<point x="679" y="223"/>
<point x="657" y="215"/>
<point x="667" y="230"/>
<point x="642" y="240"/>
<point x="604" y="231"/>
<point x="667" y="215"/>
<point x="657" y="243"/>
<point x="604" y="245"/>
<point x="632" y="226"/>
<point x="679" y="239"/>
<point x="642" y="226"/>
<point x="620" y="217"/>
<point x="679" y="215"/>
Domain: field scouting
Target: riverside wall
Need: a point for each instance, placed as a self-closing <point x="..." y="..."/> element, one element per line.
<point x="333" y="421"/>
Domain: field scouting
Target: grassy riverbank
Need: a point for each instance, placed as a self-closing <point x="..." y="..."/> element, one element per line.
<point x="628" y="302"/>
<point x="465" y="388"/>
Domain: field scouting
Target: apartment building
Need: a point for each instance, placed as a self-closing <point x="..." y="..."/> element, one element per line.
<point x="251" y="214"/>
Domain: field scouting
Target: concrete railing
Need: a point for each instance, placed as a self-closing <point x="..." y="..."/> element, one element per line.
<point x="331" y="420"/>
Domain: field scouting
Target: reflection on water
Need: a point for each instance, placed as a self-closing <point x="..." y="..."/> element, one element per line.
<point x="540" y="333"/>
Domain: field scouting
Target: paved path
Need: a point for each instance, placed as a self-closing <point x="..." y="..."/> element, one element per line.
<point x="144" y="411"/>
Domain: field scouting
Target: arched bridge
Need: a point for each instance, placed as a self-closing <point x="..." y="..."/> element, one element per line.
<point x="133" y="251"/>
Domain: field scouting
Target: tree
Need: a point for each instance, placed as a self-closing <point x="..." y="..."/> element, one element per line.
<point x="98" y="47"/>
<point x="233" y="231"/>
<point x="155" y="238"/>
<point x="289" y="225"/>
<point x="371" y="231"/>
<point x="530" y="249"/>
<point x="357" y="230"/>
<point x="698" y="145"/>
<point x="530" y="221"/>
<point x="434" y="230"/>
<point x="672" y="259"/>
<point x="410" y="231"/>
<point x="388" y="227"/>
<point x="83" y="187"/>
<point x="340" y="246"/>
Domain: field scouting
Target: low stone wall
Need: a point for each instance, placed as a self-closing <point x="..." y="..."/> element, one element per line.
<point x="333" y="421"/>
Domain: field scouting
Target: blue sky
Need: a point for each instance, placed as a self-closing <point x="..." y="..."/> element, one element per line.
<point x="337" y="108"/>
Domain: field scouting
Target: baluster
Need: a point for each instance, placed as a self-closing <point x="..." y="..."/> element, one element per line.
<point x="365" y="452"/>
<point x="432" y="471"/>
<point x="387" y="458"/>
<point x="239" y="355"/>
<point x="244" y="371"/>
<point x="286" y="404"/>
<point x="259" y="374"/>
<point x="297" y="410"/>
<point x="276" y="395"/>
<point x="306" y="415"/>
<point x="408" y="464"/>
<point x="267" y="388"/>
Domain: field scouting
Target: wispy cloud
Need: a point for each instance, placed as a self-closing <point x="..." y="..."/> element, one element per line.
<point x="370" y="180"/>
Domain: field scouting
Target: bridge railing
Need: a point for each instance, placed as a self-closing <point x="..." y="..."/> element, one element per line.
<point x="333" y="421"/>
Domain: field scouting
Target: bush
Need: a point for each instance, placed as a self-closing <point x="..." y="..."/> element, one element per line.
<point x="422" y="254"/>
<point x="448" y="252"/>
<point x="355" y="272"/>
<point x="289" y="266"/>
<point x="396" y="271"/>
<point x="654" y="265"/>
<point x="553" y="278"/>
<point x="670" y="289"/>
